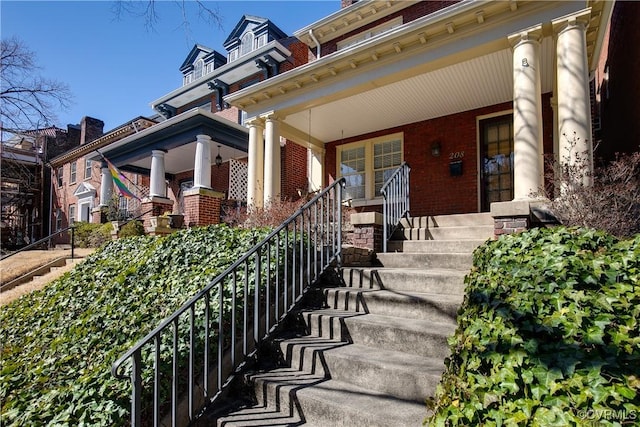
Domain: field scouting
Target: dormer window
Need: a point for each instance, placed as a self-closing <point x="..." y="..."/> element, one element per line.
<point x="261" y="41"/>
<point x="246" y="45"/>
<point x="233" y="55"/>
<point x="197" y="69"/>
<point x="188" y="78"/>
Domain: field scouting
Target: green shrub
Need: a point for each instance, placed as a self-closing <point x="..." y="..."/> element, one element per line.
<point x="57" y="345"/>
<point x="548" y="334"/>
<point x="82" y="233"/>
<point x="131" y="228"/>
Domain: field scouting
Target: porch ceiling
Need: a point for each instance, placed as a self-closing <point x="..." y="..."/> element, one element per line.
<point x="475" y="83"/>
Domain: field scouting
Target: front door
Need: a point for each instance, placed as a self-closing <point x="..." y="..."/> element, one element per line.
<point x="496" y="151"/>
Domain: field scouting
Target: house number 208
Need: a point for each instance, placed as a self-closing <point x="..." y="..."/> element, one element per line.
<point x="456" y="155"/>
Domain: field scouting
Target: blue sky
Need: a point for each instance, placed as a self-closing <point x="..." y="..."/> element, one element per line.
<point x="115" y="68"/>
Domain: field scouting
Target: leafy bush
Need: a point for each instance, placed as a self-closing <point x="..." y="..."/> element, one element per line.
<point x="131" y="228"/>
<point x="58" y="344"/>
<point x="548" y="334"/>
<point x="608" y="199"/>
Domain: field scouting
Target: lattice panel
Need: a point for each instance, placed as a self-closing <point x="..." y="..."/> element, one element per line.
<point x="238" y="180"/>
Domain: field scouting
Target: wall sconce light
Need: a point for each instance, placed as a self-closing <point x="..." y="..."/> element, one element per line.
<point x="218" y="158"/>
<point x="435" y="149"/>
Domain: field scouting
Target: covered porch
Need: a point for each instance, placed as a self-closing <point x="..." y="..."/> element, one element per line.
<point x="191" y="161"/>
<point x="476" y="93"/>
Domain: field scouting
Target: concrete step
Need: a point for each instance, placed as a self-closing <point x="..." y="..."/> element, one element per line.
<point x="435" y="280"/>
<point x="454" y="261"/>
<point x="374" y="330"/>
<point x="434" y="246"/>
<point x="476" y="232"/>
<point x="402" y="375"/>
<point x="324" y="402"/>
<point x="455" y="220"/>
<point x="411" y="305"/>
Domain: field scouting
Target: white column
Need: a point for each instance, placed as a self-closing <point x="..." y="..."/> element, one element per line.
<point x="158" y="186"/>
<point x="574" y="103"/>
<point x="528" y="153"/>
<point x="202" y="164"/>
<point x="106" y="186"/>
<point x="271" y="160"/>
<point x="316" y="169"/>
<point x="256" y="161"/>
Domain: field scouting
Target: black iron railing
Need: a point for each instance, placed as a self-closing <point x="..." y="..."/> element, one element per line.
<point x="187" y="361"/>
<point x="395" y="195"/>
<point x="46" y="240"/>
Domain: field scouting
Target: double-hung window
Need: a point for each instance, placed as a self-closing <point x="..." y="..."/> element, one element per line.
<point x="87" y="169"/>
<point x="366" y="165"/>
<point x="72" y="175"/>
<point x="72" y="214"/>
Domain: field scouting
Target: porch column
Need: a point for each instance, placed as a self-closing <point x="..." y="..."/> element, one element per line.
<point x="574" y="105"/>
<point x="316" y="170"/>
<point x="158" y="186"/>
<point x="271" y="160"/>
<point x="527" y="114"/>
<point x="106" y="186"/>
<point x="202" y="166"/>
<point x="256" y="164"/>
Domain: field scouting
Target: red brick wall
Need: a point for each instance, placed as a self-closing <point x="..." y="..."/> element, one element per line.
<point x="433" y="190"/>
<point x="293" y="159"/>
<point x="620" y="106"/>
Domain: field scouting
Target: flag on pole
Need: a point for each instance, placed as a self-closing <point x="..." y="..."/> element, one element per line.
<point x="118" y="180"/>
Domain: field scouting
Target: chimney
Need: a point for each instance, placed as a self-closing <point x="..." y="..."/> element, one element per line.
<point x="90" y="129"/>
<point x="347" y="3"/>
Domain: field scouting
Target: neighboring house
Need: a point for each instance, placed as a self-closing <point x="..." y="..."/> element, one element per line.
<point x="76" y="180"/>
<point x="196" y="155"/>
<point x="472" y="95"/>
<point x="25" y="185"/>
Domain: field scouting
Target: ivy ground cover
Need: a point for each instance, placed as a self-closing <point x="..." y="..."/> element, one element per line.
<point x="548" y="334"/>
<point x="57" y="345"/>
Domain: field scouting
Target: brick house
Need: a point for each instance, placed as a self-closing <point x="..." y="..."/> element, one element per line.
<point x="25" y="184"/>
<point x="471" y="95"/>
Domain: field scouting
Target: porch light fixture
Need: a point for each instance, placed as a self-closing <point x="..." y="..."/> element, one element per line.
<point x="218" y="158"/>
<point x="435" y="149"/>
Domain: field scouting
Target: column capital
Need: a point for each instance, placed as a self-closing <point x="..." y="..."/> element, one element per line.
<point x="533" y="34"/>
<point x="579" y="20"/>
<point x="272" y="116"/>
<point x="203" y="137"/>
<point x="255" y="122"/>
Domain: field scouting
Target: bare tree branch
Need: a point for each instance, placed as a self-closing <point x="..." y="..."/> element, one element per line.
<point x="27" y="100"/>
<point x="148" y="11"/>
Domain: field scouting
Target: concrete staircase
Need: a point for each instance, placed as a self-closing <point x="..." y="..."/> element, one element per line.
<point x="370" y="350"/>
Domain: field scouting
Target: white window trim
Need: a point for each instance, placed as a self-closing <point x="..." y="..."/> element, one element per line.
<point x="369" y="178"/>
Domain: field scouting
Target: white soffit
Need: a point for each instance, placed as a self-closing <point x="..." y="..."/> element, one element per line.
<point x="475" y="83"/>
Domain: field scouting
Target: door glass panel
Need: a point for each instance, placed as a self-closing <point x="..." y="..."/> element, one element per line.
<point x="497" y="161"/>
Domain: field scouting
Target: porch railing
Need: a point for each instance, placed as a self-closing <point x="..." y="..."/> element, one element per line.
<point x="187" y="361"/>
<point x="395" y="206"/>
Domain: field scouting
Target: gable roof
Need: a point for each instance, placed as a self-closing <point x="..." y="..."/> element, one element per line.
<point x="238" y="30"/>
<point x="241" y="25"/>
<point x="193" y="54"/>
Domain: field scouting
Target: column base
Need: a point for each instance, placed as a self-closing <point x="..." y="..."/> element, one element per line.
<point x="202" y="207"/>
<point x="154" y="206"/>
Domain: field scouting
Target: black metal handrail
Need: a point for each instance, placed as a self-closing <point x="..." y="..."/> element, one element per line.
<point x="45" y="239"/>
<point x="190" y="357"/>
<point x="395" y="205"/>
